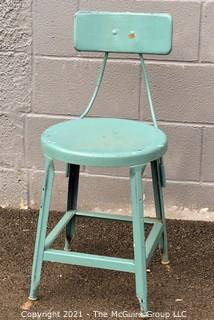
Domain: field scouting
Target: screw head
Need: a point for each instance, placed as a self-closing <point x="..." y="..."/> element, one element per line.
<point x="114" y="32"/>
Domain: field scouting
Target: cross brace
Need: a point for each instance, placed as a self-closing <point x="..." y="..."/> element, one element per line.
<point x="97" y="261"/>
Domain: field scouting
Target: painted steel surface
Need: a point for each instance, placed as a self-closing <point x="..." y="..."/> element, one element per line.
<point x="123" y="32"/>
<point x="109" y="142"/>
<point x="104" y="142"/>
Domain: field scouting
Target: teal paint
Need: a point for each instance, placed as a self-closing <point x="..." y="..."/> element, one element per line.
<point x="123" y="32"/>
<point x="113" y="143"/>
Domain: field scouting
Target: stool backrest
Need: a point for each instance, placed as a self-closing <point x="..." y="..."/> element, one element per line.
<point x="123" y="32"/>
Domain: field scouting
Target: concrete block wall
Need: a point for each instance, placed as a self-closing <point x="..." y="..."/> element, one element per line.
<point x="44" y="80"/>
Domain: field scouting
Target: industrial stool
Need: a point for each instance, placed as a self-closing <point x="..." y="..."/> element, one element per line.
<point x="112" y="143"/>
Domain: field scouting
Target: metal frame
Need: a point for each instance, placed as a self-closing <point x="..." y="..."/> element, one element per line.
<point x="99" y="81"/>
<point x="143" y="248"/>
<point x="73" y="183"/>
<point x="155" y="233"/>
<point x="42" y="228"/>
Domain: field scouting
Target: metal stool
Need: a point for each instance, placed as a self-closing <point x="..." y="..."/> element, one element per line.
<point x="112" y="143"/>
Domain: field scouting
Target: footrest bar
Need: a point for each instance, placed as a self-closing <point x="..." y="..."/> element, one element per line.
<point x="89" y="260"/>
<point x="111" y="216"/>
<point x="103" y="215"/>
<point x="58" y="228"/>
<point x="153" y="240"/>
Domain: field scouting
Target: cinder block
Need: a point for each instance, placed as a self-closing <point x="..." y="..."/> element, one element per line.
<point x="13" y="188"/>
<point x="53" y="27"/>
<point x="207" y="155"/>
<point x="119" y="172"/>
<point x="15" y="27"/>
<point x="182" y="160"/>
<point x="34" y="127"/>
<point x="94" y="192"/>
<point x="186" y="17"/>
<point x="11" y="140"/>
<point x="180" y="92"/>
<point x="65" y="86"/>
<point x="58" y="195"/>
<point x="113" y="195"/>
<point x="15" y="79"/>
<point x="207" y="39"/>
<point x="184" y="195"/>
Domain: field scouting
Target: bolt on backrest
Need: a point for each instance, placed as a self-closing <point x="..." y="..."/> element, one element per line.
<point x="142" y="33"/>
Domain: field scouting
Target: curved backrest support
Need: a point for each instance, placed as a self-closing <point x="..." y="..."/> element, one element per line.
<point x="99" y="81"/>
<point x="123" y="32"/>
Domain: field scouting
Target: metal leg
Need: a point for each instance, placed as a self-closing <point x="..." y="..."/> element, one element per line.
<point x="159" y="207"/>
<point x="41" y="228"/>
<point x="138" y="236"/>
<point x="73" y="182"/>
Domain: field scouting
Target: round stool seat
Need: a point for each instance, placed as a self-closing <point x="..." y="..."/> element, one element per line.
<point x="104" y="142"/>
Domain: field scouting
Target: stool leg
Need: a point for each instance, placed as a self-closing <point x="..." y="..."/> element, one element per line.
<point x="73" y="182"/>
<point x="159" y="207"/>
<point x="41" y="228"/>
<point x="138" y="236"/>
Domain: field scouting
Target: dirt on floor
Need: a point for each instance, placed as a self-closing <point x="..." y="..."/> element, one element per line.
<point x="182" y="290"/>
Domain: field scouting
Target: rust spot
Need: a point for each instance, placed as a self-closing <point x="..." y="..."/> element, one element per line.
<point x="132" y="35"/>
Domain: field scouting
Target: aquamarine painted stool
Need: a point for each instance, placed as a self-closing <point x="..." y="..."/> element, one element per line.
<point x="112" y="143"/>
